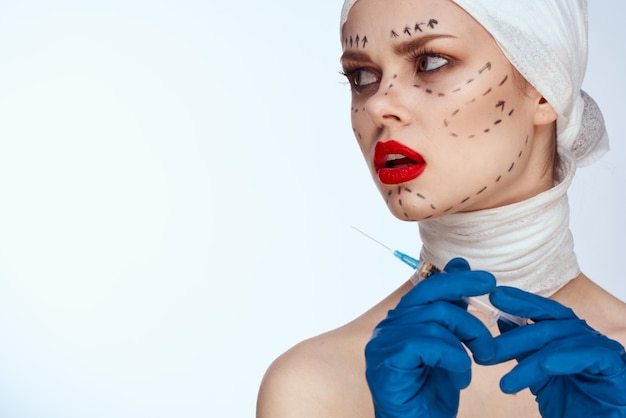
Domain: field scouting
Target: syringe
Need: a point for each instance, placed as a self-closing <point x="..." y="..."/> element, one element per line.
<point x="424" y="269"/>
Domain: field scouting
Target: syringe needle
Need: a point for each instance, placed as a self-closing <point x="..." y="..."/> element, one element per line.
<point x="406" y="259"/>
<point x="372" y="238"/>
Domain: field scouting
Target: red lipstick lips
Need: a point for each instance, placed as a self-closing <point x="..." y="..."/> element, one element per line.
<point x="396" y="163"/>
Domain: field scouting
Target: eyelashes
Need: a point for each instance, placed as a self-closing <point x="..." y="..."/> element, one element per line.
<point x="427" y="60"/>
<point x="424" y="64"/>
<point x="360" y="78"/>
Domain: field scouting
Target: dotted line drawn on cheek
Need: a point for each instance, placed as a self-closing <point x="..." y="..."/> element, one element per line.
<point x="499" y="178"/>
<point x="390" y="85"/>
<point x="501" y="104"/>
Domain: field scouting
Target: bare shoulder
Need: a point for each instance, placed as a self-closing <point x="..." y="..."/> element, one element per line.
<point x="602" y="311"/>
<point x="323" y="376"/>
<point x="316" y="378"/>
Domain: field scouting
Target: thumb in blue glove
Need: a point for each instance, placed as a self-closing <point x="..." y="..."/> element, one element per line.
<point x="416" y="364"/>
<point x="572" y="369"/>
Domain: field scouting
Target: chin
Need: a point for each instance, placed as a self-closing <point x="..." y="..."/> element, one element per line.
<point x="411" y="214"/>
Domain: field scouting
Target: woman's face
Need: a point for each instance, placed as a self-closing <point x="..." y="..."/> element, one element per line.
<point x="436" y="109"/>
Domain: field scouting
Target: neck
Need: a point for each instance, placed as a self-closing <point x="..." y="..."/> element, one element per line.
<point x="526" y="244"/>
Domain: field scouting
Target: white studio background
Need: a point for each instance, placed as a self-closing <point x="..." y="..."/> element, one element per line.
<point x="178" y="182"/>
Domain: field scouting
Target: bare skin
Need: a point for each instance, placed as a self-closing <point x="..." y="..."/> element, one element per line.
<point x="325" y="375"/>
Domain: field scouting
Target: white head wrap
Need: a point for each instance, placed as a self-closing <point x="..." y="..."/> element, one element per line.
<point x="546" y="41"/>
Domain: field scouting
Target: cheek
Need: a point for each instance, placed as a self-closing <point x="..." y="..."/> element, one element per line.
<point x="361" y="126"/>
<point x="483" y="109"/>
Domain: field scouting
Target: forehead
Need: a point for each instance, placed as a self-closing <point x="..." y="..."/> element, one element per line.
<point x="379" y="19"/>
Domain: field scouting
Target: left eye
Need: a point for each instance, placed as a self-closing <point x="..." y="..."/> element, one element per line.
<point x="426" y="63"/>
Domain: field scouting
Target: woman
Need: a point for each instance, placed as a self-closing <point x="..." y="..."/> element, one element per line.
<point x="471" y="119"/>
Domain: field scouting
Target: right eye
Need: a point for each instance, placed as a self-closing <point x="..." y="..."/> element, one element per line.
<point x="361" y="79"/>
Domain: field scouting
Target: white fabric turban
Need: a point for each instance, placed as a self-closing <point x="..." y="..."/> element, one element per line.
<point x="546" y="41"/>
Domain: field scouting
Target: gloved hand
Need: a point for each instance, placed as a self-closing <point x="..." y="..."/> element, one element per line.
<point x="415" y="361"/>
<point x="573" y="370"/>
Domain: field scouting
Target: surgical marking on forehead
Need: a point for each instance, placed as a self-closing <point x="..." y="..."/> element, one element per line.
<point x="355" y="41"/>
<point x="411" y="30"/>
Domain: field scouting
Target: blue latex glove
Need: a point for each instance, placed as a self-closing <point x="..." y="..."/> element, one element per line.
<point x="415" y="361"/>
<point x="573" y="370"/>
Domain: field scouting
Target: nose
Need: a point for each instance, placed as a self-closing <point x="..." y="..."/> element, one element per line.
<point x="388" y="106"/>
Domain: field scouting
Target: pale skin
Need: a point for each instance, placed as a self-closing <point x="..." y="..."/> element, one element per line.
<point x="426" y="74"/>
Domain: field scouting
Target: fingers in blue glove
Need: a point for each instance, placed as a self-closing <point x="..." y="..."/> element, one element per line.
<point x="416" y="361"/>
<point x="456" y="282"/>
<point x="415" y="349"/>
<point x="591" y="356"/>
<point x="519" y="342"/>
<point x="528" y="305"/>
<point x="455" y="320"/>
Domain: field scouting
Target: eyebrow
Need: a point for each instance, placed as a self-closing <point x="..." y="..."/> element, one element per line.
<point x="405" y="48"/>
<point x="401" y="49"/>
<point x="352" y="55"/>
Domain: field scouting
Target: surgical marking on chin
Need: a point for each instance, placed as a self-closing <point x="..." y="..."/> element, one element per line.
<point x="465" y="200"/>
<point x="506" y="77"/>
<point x="481" y="190"/>
<point x="511" y="168"/>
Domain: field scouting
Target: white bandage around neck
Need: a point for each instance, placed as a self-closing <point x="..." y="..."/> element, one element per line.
<point x="527" y="245"/>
